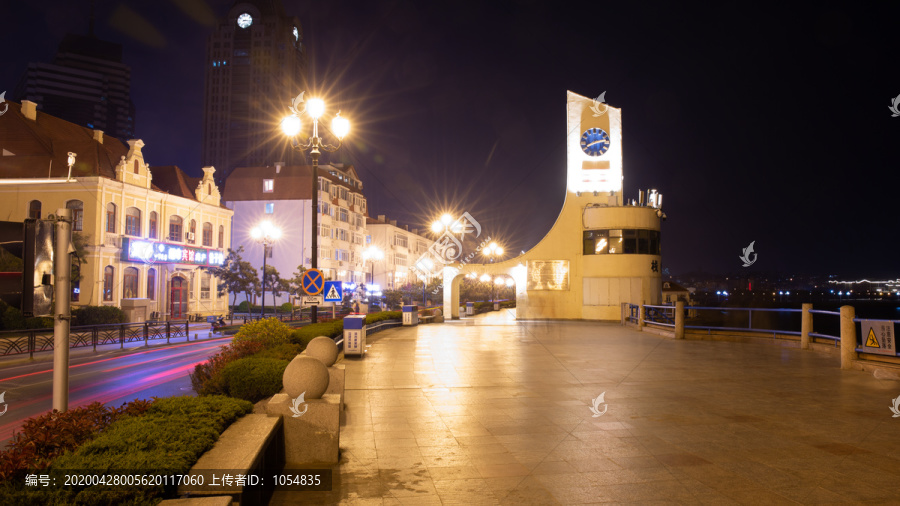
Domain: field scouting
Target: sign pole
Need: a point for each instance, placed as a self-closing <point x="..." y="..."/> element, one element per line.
<point x="62" y="268"/>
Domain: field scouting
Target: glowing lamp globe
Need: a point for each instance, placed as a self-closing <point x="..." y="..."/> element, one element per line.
<point x="315" y="107"/>
<point x="340" y="126"/>
<point x="290" y="125"/>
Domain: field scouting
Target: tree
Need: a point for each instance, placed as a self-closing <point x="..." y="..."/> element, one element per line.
<point x="392" y="298"/>
<point x="235" y="275"/>
<point x="79" y="242"/>
<point x="274" y="284"/>
<point x="295" y="285"/>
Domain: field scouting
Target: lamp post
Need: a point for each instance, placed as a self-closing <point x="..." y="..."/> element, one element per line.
<point x="372" y="254"/>
<point x="265" y="233"/>
<point x="290" y="125"/>
<point x="492" y="251"/>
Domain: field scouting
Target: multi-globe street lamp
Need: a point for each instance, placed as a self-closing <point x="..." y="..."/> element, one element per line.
<point x="290" y="125"/>
<point x="265" y="233"/>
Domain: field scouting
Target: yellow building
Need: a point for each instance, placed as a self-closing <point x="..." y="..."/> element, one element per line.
<point x="602" y="251"/>
<point x="148" y="231"/>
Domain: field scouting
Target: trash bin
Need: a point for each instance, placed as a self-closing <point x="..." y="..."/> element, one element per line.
<point x="470" y="308"/>
<point x="354" y="335"/>
<point x="496" y="306"/>
<point x="410" y="316"/>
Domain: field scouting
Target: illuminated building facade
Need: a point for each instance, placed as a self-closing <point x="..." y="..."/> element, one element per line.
<point x="602" y="252"/>
<point x="147" y="231"/>
<point x="401" y="247"/>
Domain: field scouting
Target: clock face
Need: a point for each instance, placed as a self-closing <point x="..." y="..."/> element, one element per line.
<point x="245" y="20"/>
<point x="594" y="141"/>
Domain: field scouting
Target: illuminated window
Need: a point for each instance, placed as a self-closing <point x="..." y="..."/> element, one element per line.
<point x="204" y="286"/>
<point x="111" y="218"/>
<point x="207" y="234"/>
<point x="268" y="185"/>
<point x="175" y="228"/>
<point x="153" y="225"/>
<point x="270" y="207"/>
<point x="615" y="242"/>
<point x="130" y="283"/>
<point x="133" y="222"/>
<point x="77" y="208"/>
<point x="108" y="283"/>
<point x="221" y="236"/>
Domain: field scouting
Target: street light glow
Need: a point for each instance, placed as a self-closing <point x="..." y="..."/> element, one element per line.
<point x="485" y="277"/>
<point x="446" y="219"/>
<point x="290" y="125"/>
<point x="315" y="107"/>
<point x="437" y="227"/>
<point x="340" y="126"/>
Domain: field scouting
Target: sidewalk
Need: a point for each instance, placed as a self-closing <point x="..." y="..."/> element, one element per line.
<point x="490" y="411"/>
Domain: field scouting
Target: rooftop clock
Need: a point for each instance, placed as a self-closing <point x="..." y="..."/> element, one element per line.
<point x="245" y="20"/>
<point x="594" y="141"/>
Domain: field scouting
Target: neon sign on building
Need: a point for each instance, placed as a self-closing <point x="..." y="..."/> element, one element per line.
<point x="151" y="251"/>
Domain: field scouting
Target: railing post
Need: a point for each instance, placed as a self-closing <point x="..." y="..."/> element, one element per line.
<point x="31" y="344"/>
<point x="642" y="312"/>
<point x="848" y="337"/>
<point x="94" y="338"/>
<point x="187" y="330"/>
<point x="679" y="319"/>
<point x="121" y="336"/>
<point x="749" y="318"/>
<point x="805" y="326"/>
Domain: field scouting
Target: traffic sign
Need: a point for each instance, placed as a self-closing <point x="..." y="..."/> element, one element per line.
<point x="312" y="300"/>
<point x="312" y="281"/>
<point x="333" y="291"/>
<point x="878" y="337"/>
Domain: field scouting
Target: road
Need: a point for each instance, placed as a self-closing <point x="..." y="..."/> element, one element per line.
<point x="111" y="377"/>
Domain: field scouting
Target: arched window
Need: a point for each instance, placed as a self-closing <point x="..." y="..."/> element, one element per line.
<point x="175" y="228"/>
<point x="151" y="284"/>
<point x="34" y="209"/>
<point x="133" y="222"/>
<point x="207" y="234"/>
<point x="111" y="218"/>
<point x="77" y="208"/>
<point x="153" y="225"/>
<point x="221" y="236"/>
<point x="192" y="232"/>
<point x="108" y="283"/>
<point x="209" y="188"/>
<point x="130" y="283"/>
<point x="136" y="167"/>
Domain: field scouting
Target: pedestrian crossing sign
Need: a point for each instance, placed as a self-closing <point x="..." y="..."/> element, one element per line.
<point x="333" y="291"/>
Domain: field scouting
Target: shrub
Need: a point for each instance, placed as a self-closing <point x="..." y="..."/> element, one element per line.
<point x="254" y="379"/>
<point x="47" y="436"/>
<point x="287" y="307"/>
<point x="285" y="351"/>
<point x="98" y="315"/>
<point x="243" y="307"/>
<point x="305" y="334"/>
<point x="12" y="319"/>
<point x="207" y="377"/>
<point x="384" y="315"/>
<point x="269" y="331"/>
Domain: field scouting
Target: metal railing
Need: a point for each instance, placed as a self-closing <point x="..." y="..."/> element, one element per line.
<point x="14" y="342"/>
<point x="659" y="315"/>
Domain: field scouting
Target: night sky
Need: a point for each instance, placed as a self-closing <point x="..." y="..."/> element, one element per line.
<point x="756" y="125"/>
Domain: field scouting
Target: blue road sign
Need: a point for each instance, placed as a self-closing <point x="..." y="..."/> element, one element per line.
<point x="333" y="291"/>
<point x="313" y="282"/>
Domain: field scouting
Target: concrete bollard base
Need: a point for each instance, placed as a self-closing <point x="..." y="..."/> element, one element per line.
<point x="336" y="382"/>
<point x="312" y="437"/>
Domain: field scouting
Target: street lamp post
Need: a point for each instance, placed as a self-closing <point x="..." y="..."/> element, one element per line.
<point x="372" y="254"/>
<point x="290" y="125"/>
<point x="265" y="233"/>
<point x="493" y="251"/>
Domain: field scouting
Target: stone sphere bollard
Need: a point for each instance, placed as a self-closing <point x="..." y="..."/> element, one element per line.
<point x="437" y="312"/>
<point x="306" y="374"/>
<point x="324" y="349"/>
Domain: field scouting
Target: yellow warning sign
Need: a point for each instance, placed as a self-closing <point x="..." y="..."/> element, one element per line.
<point x="871" y="341"/>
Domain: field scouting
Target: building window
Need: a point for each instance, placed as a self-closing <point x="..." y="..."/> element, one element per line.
<point x="111" y="218"/>
<point x="204" y="286"/>
<point x="615" y="242"/>
<point x="268" y="185"/>
<point x="34" y="209"/>
<point x="207" y="234"/>
<point x="77" y="208"/>
<point x="192" y="237"/>
<point x="324" y="208"/>
<point x="400" y="240"/>
<point x="133" y="222"/>
<point x="153" y="229"/>
<point x="400" y="259"/>
<point x="108" y="283"/>
<point x="151" y="284"/>
<point x="270" y="207"/>
<point x="343" y="215"/>
<point x="130" y="283"/>
<point x="324" y="230"/>
<point x="221" y="236"/>
<point x="175" y="228"/>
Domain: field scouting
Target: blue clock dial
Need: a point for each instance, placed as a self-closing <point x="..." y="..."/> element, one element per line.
<point x="594" y="141"/>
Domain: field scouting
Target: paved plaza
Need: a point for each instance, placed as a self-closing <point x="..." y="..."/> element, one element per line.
<point x="488" y="410"/>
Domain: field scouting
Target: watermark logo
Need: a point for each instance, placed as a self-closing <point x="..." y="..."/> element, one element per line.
<point x="5" y="405"/>
<point x="295" y="407"/>
<point x="297" y="106"/>
<point x="3" y="101"/>
<point x="895" y="408"/>
<point x="600" y="107"/>
<point x="746" y="256"/>
<point x="595" y="406"/>
<point x="893" y="108"/>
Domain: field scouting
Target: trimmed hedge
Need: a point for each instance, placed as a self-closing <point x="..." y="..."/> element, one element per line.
<point x="269" y="332"/>
<point x="207" y="377"/>
<point x="286" y="351"/>
<point x="254" y="379"/>
<point x="170" y="438"/>
<point x="97" y="315"/>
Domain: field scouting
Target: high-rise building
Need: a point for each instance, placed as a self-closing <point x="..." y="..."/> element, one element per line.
<point x="87" y="84"/>
<point x="255" y="65"/>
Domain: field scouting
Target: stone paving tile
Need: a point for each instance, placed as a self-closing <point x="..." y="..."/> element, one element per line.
<point x="497" y="412"/>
